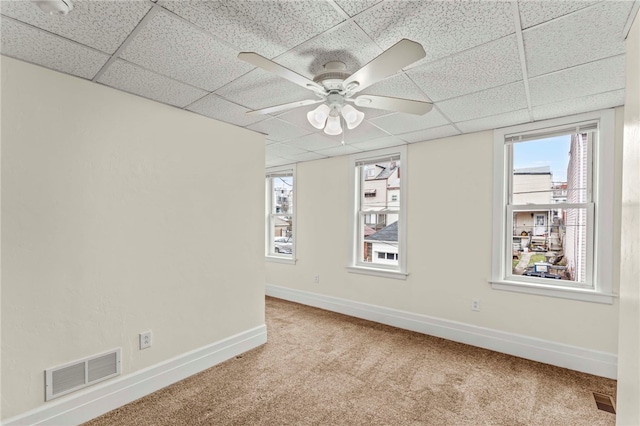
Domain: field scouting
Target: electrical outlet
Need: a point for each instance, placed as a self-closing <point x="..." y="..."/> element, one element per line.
<point x="475" y="304"/>
<point x="316" y="279"/>
<point x="145" y="339"/>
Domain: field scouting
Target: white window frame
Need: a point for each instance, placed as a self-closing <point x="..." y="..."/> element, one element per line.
<point x="269" y="215"/>
<point x="599" y="283"/>
<point x="355" y="181"/>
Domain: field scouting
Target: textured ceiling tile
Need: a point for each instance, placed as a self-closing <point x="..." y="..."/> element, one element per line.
<point x="172" y="47"/>
<point x="385" y="142"/>
<point x="403" y="123"/>
<point x="346" y="44"/>
<point x="492" y="64"/>
<point x="534" y="12"/>
<point x="266" y="27"/>
<point x="308" y="156"/>
<point x="29" y="44"/>
<point x="363" y="132"/>
<point x="492" y="101"/>
<point x="277" y="161"/>
<point x="495" y="121"/>
<point x="103" y="25"/>
<point x="353" y="7"/>
<point x="339" y="150"/>
<point x="428" y="134"/>
<point x="281" y="150"/>
<point x="398" y="86"/>
<point x="595" y="77"/>
<point x="130" y="78"/>
<point x="312" y="142"/>
<point x="260" y="89"/>
<point x="442" y="27"/>
<point x="279" y="130"/>
<point x="580" y="37"/>
<point x="223" y="110"/>
<point x="579" y="105"/>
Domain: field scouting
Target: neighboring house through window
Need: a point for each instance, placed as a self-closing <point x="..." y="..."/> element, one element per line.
<point x="379" y="213"/>
<point x="553" y="207"/>
<point x="280" y="214"/>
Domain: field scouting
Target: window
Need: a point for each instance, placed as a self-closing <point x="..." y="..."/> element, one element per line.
<point x="280" y="214"/>
<point x="379" y="216"/>
<point x="553" y="208"/>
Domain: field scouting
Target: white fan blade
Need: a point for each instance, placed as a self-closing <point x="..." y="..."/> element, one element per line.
<point x="403" y="53"/>
<point x="393" y="104"/>
<point x="277" y="69"/>
<point x="283" y="107"/>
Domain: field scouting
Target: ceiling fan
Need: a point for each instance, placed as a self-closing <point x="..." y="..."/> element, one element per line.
<point x="336" y="88"/>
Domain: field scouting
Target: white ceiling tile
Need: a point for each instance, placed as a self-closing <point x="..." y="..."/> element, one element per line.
<point x="266" y="27"/>
<point x="534" y="12"/>
<point x="379" y="143"/>
<point x="223" y="110"/>
<point x="347" y="44"/>
<point x="493" y="64"/>
<point x="279" y="130"/>
<point x="398" y="86"/>
<point x="313" y="142"/>
<point x="281" y="150"/>
<point x="428" y="134"/>
<point x="337" y="151"/>
<point x="260" y="89"/>
<point x="172" y="47"/>
<point x="579" y="105"/>
<point x="363" y="132"/>
<point x="30" y="44"/>
<point x="103" y="25"/>
<point x="277" y="161"/>
<point x="353" y="7"/>
<point x="130" y="78"/>
<point x="442" y="27"/>
<point x="580" y="37"/>
<point x="595" y="77"/>
<point x="404" y="123"/>
<point x="308" y="156"/>
<point x="494" y="101"/>
<point x="510" y="118"/>
<point x="298" y="116"/>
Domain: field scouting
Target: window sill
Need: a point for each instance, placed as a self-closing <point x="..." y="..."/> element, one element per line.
<point x="552" y="291"/>
<point x="386" y="273"/>
<point x="278" y="259"/>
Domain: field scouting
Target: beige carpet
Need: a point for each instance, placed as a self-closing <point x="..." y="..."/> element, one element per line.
<point x="322" y="368"/>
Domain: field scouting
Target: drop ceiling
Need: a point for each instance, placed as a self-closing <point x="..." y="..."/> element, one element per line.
<point x="489" y="64"/>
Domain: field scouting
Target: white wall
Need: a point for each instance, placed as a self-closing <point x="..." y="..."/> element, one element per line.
<point x="449" y="255"/>
<point x="629" y="331"/>
<point x="115" y="220"/>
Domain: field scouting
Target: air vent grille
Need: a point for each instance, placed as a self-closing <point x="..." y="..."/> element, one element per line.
<point x="79" y="374"/>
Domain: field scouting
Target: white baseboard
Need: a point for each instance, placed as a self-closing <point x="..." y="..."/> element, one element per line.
<point x="572" y="357"/>
<point x="99" y="399"/>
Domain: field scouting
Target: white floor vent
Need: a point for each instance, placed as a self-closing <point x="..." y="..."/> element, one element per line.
<point x="79" y="374"/>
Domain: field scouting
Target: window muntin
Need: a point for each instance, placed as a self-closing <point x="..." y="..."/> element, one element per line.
<point x="280" y="221"/>
<point x="591" y="204"/>
<point x="379" y="216"/>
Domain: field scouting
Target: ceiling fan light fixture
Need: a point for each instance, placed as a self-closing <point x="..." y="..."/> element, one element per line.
<point x="333" y="125"/>
<point x="318" y="117"/>
<point x="352" y="116"/>
<point x="55" y="7"/>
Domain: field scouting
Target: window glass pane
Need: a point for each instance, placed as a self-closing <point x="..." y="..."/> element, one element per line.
<point x="380" y="245"/>
<point x="281" y="229"/>
<point x="381" y="186"/>
<point x="552" y="170"/>
<point x="282" y="196"/>
<point x="550" y="243"/>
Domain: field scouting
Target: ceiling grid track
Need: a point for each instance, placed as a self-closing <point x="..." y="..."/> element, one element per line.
<point x="523" y="59"/>
<point x="143" y="22"/>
